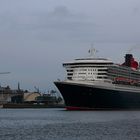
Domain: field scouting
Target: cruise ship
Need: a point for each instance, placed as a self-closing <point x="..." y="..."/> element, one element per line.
<point x="98" y="83"/>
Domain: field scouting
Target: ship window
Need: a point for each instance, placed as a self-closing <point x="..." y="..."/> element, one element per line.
<point x="70" y="78"/>
<point x="101" y="73"/>
<point x="100" y="77"/>
<point x="70" y="74"/>
<point x="82" y="73"/>
<point x="102" y="69"/>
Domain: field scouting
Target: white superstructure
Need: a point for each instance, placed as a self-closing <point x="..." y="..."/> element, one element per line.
<point x="103" y="70"/>
<point x="87" y="69"/>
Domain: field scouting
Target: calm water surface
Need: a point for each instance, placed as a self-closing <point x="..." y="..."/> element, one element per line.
<point x="58" y="124"/>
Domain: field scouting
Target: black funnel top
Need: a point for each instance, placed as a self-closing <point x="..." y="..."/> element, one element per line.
<point x="128" y="58"/>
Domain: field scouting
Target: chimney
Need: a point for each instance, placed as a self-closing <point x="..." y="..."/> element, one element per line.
<point x="128" y="58"/>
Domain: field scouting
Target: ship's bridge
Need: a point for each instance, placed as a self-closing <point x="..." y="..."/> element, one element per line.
<point x="87" y="69"/>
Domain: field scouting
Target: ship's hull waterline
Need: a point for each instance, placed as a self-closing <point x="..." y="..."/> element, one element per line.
<point x="85" y="97"/>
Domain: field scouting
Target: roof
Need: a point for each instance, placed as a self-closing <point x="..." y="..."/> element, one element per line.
<point x="89" y="60"/>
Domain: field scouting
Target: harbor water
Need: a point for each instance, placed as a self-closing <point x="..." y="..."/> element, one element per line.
<point x="58" y="124"/>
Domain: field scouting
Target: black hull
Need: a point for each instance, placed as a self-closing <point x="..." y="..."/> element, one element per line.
<point x="82" y="97"/>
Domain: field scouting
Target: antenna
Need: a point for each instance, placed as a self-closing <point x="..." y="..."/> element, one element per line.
<point x="37" y="89"/>
<point x="92" y="51"/>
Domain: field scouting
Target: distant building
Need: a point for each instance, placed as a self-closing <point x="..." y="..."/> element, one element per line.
<point x="9" y="95"/>
<point x="46" y="99"/>
<point x="30" y="97"/>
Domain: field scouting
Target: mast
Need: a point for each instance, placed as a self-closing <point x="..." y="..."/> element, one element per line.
<point x="92" y="52"/>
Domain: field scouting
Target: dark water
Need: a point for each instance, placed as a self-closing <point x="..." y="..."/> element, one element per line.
<point x="57" y="124"/>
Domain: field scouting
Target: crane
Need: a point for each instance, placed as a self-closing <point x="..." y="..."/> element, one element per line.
<point x="4" y="72"/>
<point x="133" y="47"/>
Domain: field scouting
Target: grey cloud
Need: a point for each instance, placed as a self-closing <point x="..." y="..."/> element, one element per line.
<point x="62" y="23"/>
<point x="37" y="36"/>
<point x="61" y="11"/>
<point x="57" y="24"/>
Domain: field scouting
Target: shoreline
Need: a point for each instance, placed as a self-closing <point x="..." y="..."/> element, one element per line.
<point x="25" y="105"/>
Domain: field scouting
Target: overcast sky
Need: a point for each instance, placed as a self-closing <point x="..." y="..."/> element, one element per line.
<point x="37" y="36"/>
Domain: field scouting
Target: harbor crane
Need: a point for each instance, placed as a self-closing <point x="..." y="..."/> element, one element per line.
<point x="4" y="72"/>
<point x="133" y="48"/>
